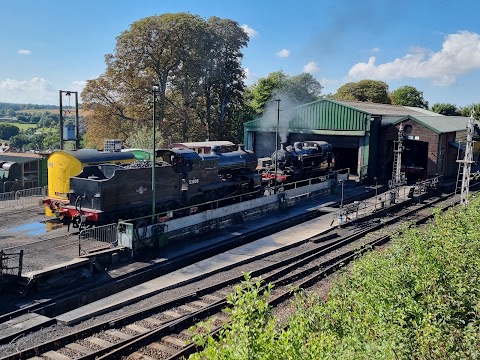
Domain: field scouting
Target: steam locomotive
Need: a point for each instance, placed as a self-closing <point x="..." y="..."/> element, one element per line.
<point x="103" y="194"/>
<point x="301" y="161"/>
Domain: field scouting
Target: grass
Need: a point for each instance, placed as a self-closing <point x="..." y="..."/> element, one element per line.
<point x="20" y="126"/>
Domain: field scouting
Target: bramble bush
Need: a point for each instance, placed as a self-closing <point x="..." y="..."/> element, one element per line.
<point x="419" y="299"/>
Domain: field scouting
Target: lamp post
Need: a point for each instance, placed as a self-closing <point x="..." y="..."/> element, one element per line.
<point x="341" y="200"/>
<point x="154" y="155"/>
<point x="276" y="141"/>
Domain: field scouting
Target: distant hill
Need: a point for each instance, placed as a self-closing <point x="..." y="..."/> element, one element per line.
<point x="17" y="107"/>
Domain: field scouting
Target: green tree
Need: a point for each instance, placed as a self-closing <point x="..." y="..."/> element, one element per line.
<point x="445" y="109"/>
<point x="364" y="90"/>
<point x="7" y="131"/>
<point x="194" y="63"/>
<point x="19" y="141"/>
<point x="408" y="96"/>
<point x="11" y="113"/>
<point x="299" y="89"/>
<point x="51" y="141"/>
<point x="471" y="109"/>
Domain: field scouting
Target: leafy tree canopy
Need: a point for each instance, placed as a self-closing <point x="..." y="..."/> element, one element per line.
<point x="408" y="96"/>
<point x="470" y="110"/>
<point x="364" y="90"/>
<point x="300" y="89"/>
<point x="7" y="131"/>
<point x="195" y="66"/>
<point x="445" y="109"/>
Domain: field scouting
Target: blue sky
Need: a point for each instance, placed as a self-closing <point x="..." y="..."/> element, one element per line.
<point x="434" y="45"/>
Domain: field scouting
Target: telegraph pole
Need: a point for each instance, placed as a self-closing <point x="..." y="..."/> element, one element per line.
<point x="276" y="141"/>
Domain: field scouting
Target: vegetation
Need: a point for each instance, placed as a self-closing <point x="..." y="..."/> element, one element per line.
<point x="364" y="90"/>
<point x="34" y="128"/>
<point x="195" y="65"/>
<point x="299" y="89"/>
<point x="408" y="96"/>
<point x="419" y="299"/>
<point x="445" y="109"/>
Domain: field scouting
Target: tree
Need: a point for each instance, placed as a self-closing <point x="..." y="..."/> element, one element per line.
<point x="7" y="131"/>
<point x="408" y="96"/>
<point x="364" y="90"/>
<point x="445" y="109"/>
<point x="19" y="141"/>
<point x="471" y="109"/>
<point x="299" y="89"/>
<point x="195" y="65"/>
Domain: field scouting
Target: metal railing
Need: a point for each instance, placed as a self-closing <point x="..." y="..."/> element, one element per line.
<point x="15" y="199"/>
<point x="97" y="238"/>
<point x="10" y="264"/>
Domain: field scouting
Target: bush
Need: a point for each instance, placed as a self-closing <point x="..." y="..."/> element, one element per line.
<point x="419" y="299"/>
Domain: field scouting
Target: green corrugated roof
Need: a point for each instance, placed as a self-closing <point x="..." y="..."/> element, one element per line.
<point x="440" y="124"/>
<point x="338" y="116"/>
<point x="322" y="114"/>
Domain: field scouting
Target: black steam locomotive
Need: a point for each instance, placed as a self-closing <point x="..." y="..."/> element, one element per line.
<point x="102" y="194"/>
<point x="301" y="161"/>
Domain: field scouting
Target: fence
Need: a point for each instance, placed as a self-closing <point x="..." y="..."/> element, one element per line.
<point x="171" y="227"/>
<point x="17" y="199"/>
<point x="10" y="264"/>
<point x="98" y="238"/>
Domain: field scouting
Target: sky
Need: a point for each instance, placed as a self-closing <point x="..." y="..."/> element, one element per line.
<point x="433" y="45"/>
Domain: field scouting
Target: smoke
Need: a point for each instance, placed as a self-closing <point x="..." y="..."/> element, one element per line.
<point x="280" y="111"/>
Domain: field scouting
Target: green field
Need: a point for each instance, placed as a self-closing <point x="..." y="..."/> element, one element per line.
<point x="20" y="126"/>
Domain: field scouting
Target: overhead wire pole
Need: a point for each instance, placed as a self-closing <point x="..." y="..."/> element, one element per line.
<point x="276" y="141"/>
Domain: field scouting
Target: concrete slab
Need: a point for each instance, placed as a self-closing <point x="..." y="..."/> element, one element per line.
<point x="77" y="262"/>
<point x="25" y="323"/>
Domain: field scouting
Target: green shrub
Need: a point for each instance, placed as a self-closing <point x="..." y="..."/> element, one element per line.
<point x="419" y="299"/>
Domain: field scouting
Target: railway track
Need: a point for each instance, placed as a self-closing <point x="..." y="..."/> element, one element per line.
<point x="161" y="331"/>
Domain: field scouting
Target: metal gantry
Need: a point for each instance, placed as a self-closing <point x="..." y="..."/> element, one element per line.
<point x="398" y="177"/>
<point x="465" y="165"/>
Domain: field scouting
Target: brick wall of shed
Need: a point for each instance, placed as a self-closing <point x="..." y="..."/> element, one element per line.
<point x="426" y="135"/>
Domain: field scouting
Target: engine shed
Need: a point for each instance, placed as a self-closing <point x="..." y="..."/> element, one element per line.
<point x="22" y="171"/>
<point x="363" y="134"/>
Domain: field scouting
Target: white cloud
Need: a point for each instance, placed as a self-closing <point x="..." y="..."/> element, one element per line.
<point x="459" y="55"/>
<point x="251" y="32"/>
<point x="35" y="91"/>
<point x="250" y="77"/>
<point x="376" y="49"/>
<point x="24" y="52"/>
<point x="329" y="82"/>
<point x="311" y="67"/>
<point x="283" y="53"/>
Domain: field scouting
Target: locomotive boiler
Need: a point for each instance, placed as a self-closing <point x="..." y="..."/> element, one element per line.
<point x="301" y="161"/>
<point x="103" y="194"/>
